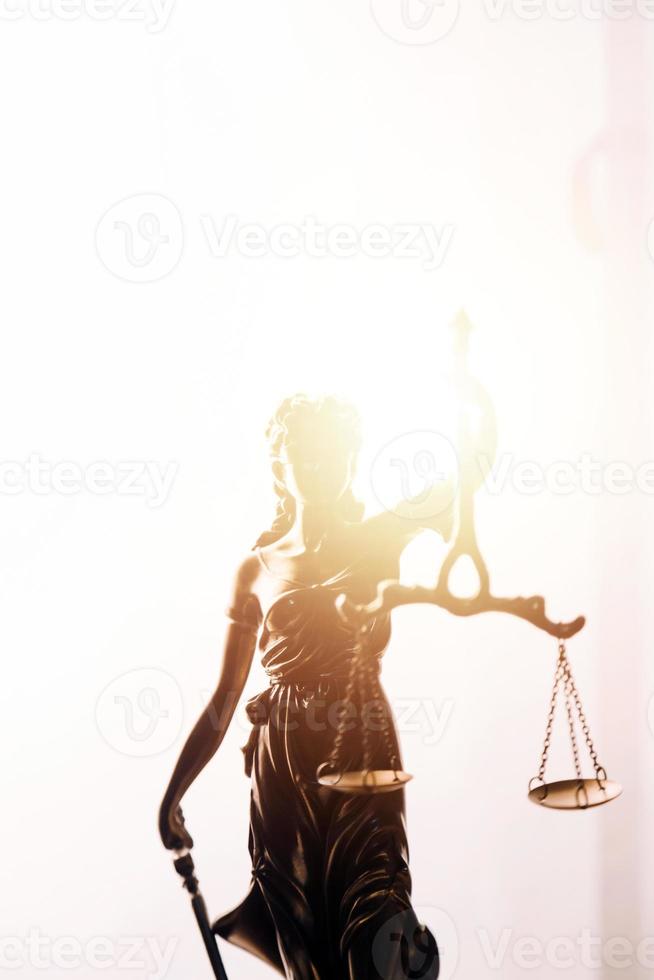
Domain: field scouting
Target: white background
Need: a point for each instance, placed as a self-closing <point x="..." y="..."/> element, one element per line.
<point x="528" y="139"/>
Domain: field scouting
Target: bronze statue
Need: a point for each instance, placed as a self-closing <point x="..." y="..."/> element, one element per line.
<point x="329" y="869"/>
<point x="330" y="895"/>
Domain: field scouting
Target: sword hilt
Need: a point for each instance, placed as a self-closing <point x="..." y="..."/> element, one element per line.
<point x="185" y="867"/>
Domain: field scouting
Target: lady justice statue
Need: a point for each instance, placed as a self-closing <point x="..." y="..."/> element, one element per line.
<point x="330" y="896"/>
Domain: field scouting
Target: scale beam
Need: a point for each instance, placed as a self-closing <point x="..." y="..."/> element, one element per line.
<point x="391" y="594"/>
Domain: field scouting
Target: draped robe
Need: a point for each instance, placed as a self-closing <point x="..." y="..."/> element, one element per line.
<point x="330" y="893"/>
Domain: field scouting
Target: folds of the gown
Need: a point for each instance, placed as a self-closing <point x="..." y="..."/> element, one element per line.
<point x="329" y="870"/>
<point x="330" y="891"/>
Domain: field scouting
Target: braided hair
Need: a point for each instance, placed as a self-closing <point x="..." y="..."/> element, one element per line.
<point x="294" y="417"/>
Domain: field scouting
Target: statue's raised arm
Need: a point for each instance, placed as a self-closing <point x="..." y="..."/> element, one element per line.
<point x="476" y="449"/>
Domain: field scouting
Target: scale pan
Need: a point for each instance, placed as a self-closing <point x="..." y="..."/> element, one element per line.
<point x="366" y="781"/>
<point x="575" y="794"/>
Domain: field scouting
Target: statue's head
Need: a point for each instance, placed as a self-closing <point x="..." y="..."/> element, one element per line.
<point x="314" y="444"/>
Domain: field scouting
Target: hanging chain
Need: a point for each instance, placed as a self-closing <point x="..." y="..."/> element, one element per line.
<point x="568" y="686"/>
<point x="363" y="679"/>
<point x="375" y="693"/>
<point x="563" y="674"/>
<point x="353" y="680"/>
<point x="584" y="724"/>
<point x="365" y="693"/>
<point x="558" y="675"/>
